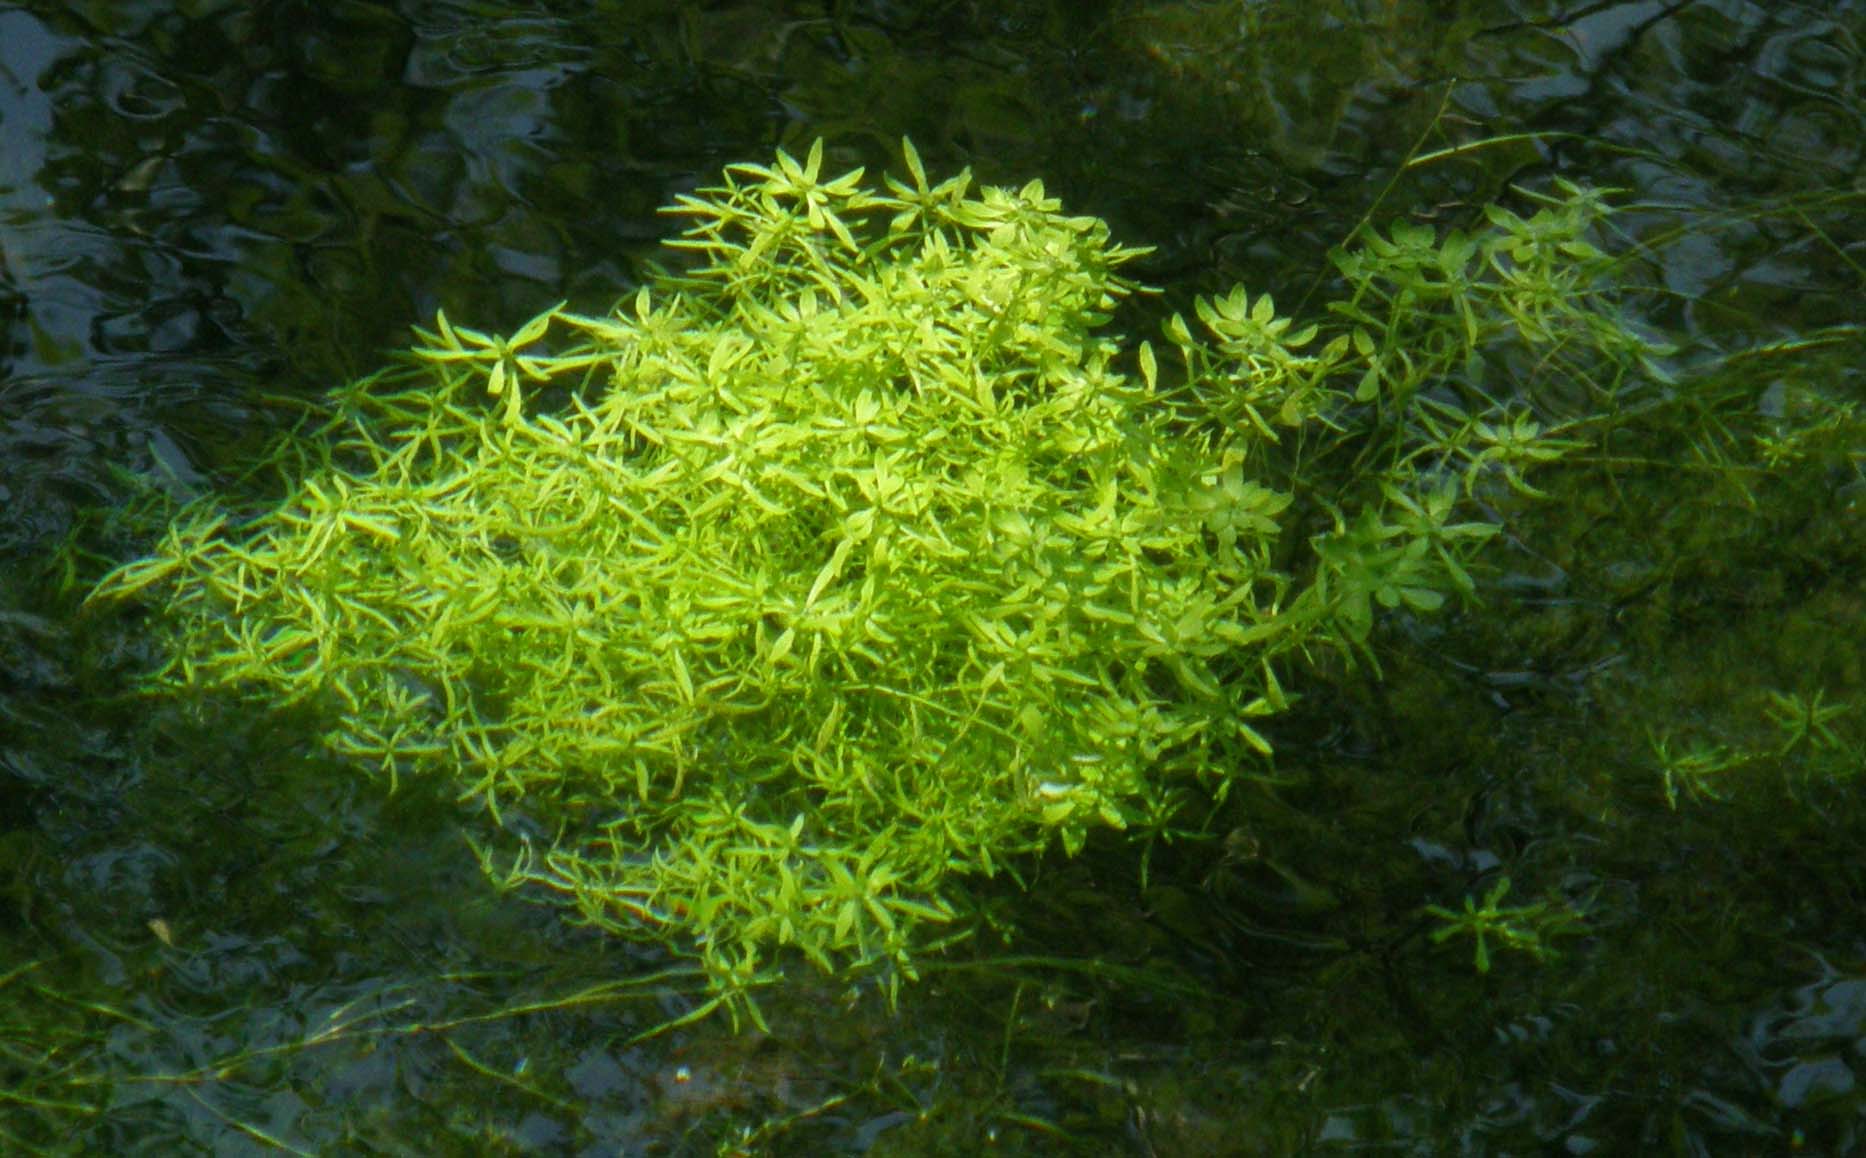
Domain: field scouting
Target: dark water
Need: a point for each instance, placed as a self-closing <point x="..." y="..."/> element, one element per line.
<point x="215" y="940"/>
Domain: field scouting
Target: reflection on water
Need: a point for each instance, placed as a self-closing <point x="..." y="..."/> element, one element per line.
<point x="211" y="210"/>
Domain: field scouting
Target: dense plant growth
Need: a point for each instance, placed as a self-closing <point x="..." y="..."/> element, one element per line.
<point x="857" y="557"/>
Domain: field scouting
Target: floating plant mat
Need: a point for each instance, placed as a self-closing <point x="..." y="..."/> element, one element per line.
<point x="856" y="559"/>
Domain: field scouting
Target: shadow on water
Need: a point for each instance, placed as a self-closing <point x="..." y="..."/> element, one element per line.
<point x="215" y="937"/>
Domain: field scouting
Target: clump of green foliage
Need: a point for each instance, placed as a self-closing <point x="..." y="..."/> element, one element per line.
<point x="854" y="559"/>
<point x="1527" y="928"/>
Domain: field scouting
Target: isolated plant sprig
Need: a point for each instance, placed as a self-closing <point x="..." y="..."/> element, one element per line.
<point x="1495" y="926"/>
<point x="850" y="564"/>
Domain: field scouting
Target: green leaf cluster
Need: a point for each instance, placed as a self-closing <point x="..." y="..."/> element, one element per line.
<point x="847" y="561"/>
<point x="1527" y="928"/>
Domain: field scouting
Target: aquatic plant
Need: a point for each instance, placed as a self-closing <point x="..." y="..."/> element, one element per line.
<point x="1693" y="771"/>
<point x="1526" y="928"/>
<point x="848" y="560"/>
<point x="1804" y="719"/>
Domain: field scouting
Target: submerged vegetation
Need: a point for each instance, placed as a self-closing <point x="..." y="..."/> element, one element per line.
<point x="1622" y="772"/>
<point x="854" y="558"/>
